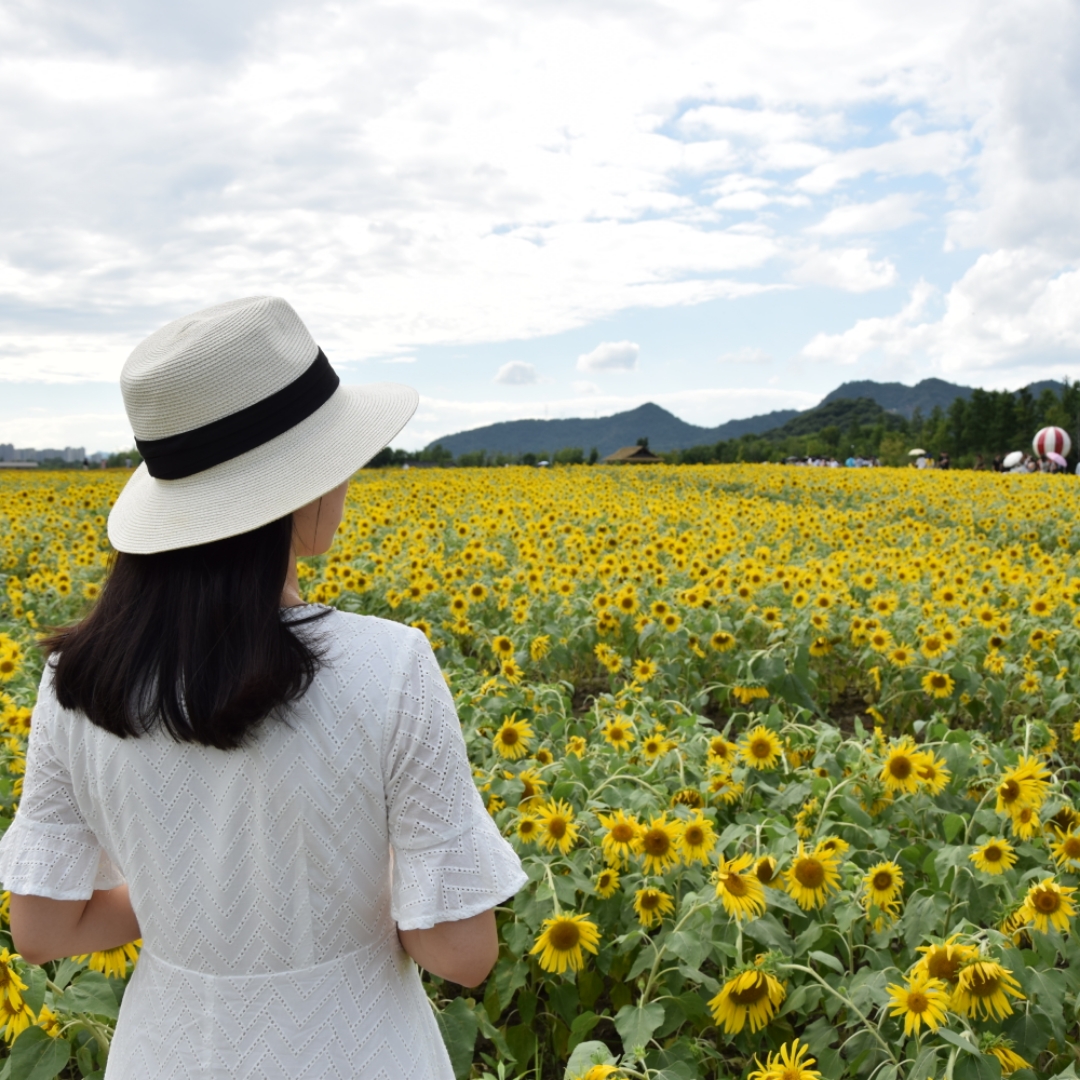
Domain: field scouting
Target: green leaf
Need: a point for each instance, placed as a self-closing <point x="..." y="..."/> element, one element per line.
<point x="35" y="1055"/>
<point x="582" y="1026"/>
<point x="953" y="825"/>
<point x="925" y="1064"/>
<point x="1029" y="1030"/>
<point x="693" y="948"/>
<point x="34" y="994"/>
<point x="636" y="1023"/>
<point x="91" y="993"/>
<point x="977" y="1067"/>
<point x="963" y="1042"/>
<point x="459" y="1027"/>
<point x="828" y="960"/>
<point x="65" y="970"/>
<point x="585" y="1055"/>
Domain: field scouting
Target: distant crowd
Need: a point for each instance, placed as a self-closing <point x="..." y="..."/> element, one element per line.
<point x="834" y="463"/>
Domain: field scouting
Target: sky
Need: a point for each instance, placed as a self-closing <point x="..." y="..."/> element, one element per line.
<point x="546" y="208"/>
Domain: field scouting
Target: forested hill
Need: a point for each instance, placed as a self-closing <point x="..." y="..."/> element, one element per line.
<point x="923" y="397"/>
<point x="664" y="431"/>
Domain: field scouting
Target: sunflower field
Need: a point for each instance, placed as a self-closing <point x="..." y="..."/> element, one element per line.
<point x="789" y="755"/>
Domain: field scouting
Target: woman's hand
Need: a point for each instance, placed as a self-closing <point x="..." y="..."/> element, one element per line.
<point x="43" y="929"/>
<point x="463" y="952"/>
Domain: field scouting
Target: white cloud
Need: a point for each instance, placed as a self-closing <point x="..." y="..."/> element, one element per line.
<point x="516" y="373"/>
<point x="746" y="355"/>
<point x="892" y="212"/>
<point x="610" y="356"/>
<point x="585" y="388"/>
<point x="851" y="269"/>
<point x="398" y="360"/>
<point x="1012" y="317"/>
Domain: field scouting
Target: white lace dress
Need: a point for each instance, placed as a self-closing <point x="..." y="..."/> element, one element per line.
<point x="268" y="880"/>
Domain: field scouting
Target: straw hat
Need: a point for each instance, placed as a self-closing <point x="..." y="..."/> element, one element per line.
<point x="240" y="420"/>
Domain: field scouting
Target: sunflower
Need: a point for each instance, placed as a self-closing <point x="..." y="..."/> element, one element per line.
<point x="607" y="883"/>
<point x="761" y="748"/>
<point x="933" y="646"/>
<point x="750" y="997"/>
<point x="576" y="745"/>
<point x="1025" y="823"/>
<point x="644" y="670"/>
<point x="513" y="738"/>
<point x="994" y="857"/>
<point x="1023" y="785"/>
<point x="502" y="646"/>
<point x="788" y="1063"/>
<point x="598" y="1072"/>
<point x="652" y="905"/>
<point x="1003" y="1049"/>
<point x="985" y="986"/>
<point x="654" y="746"/>
<point x="539" y="647"/>
<point x="765" y="869"/>
<point x="618" y="732"/>
<point x="544" y="756"/>
<point x="689" y="797"/>
<point x="561" y="941"/>
<point x="696" y="840"/>
<point x="820" y="646"/>
<point x="938" y="684"/>
<point x="1066" y="848"/>
<point x="831" y="845"/>
<point x="721" y="751"/>
<point x="725" y="789"/>
<point x="900" y="773"/>
<point x="557" y="828"/>
<point x="1049" y="904"/>
<point x="659" y="843"/>
<point x="883" y="884"/>
<point x="739" y="888"/>
<point x="934" y="777"/>
<point x="527" y="829"/>
<point x="622" y="839"/>
<point x="722" y="641"/>
<point x="922" y="1000"/>
<point x="880" y="640"/>
<point x="811" y="877"/>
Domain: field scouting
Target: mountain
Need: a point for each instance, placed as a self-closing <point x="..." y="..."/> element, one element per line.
<point x="860" y="402"/>
<point x="607" y="433"/>
<point x="924" y="396"/>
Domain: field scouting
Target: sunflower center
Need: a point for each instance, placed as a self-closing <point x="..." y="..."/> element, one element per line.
<point x="1047" y="902"/>
<point x="622" y="832"/>
<point x="564" y="935"/>
<point x="883" y="880"/>
<point x="657" y="842"/>
<point x="556" y="827"/>
<point x="1071" y="846"/>
<point x="616" y="734"/>
<point x="942" y="966"/>
<point x="650" y="900"/>
<point x="1009" y="791"/>
<point x="992" y="853"/>
<point x="983" y="985"/>
<point x="761" y="749"/>
<point x="509" y="737"/>
<point x="694" y="835"/>
<point x="809" y="873"/>
<point x="938" y="681"/>
<point x="900" y="767"/>
<point x="764" y="871"/>
<point x="752" y="994"/>
<point x="917" y="1001"/>
<point x="734" y="885"/>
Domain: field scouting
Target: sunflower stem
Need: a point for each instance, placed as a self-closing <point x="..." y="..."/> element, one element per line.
<point x="848" y="1003"/>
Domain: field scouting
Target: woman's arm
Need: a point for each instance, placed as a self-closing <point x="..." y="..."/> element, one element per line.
<point x="44" y="929"/>
<point x="463" y="952"/>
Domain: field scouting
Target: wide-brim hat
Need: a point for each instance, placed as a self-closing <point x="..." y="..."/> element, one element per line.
<point x="240" y="420"/>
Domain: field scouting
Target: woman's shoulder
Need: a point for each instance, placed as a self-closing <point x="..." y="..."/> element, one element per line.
<point x="358" y="631"/>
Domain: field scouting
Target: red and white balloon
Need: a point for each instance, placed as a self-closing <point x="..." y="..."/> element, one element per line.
<point x="1051" y="440"/>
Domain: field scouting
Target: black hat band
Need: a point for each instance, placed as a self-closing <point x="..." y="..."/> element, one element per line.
<point x="190" y="452"/>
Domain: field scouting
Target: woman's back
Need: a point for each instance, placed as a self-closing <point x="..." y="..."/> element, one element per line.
<point x="269" y="864"/>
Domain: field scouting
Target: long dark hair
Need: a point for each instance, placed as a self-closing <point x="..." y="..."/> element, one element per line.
<point x="192" y="640"/>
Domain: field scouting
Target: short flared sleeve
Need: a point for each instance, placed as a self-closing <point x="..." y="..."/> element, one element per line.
<point x="450" y="862"/>
<point x="49" y="850"/>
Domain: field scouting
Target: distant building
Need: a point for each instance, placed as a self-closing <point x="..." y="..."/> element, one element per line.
<point x="8" y="452"/>
<point x="632" y="455"/>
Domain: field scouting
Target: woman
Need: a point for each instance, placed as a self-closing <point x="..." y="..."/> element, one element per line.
<point x="274" y="796"/>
